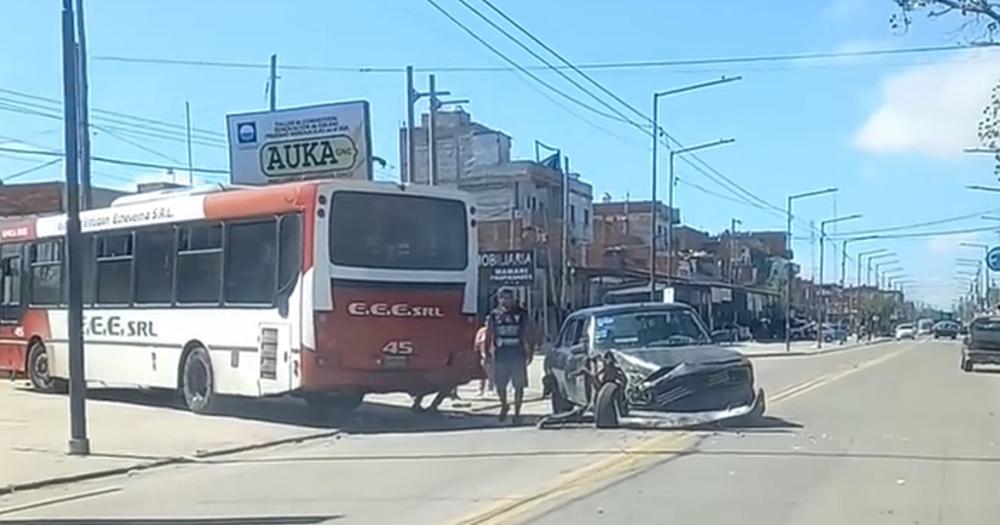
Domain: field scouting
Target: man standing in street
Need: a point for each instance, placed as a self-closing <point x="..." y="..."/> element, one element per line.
<point x="509" y="336"/>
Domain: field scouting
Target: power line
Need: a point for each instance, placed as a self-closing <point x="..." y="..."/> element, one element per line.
<point x="934" y="222"/>
<point x="120" y="162"/>
<point x="596" y="66"/>
<point x="162" y="123"/>
<point x="32" y="169"/>
<point x="28" y="108"/>
<point x="729" y="184"/>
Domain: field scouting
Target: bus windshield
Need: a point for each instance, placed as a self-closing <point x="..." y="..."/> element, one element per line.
<point x="399" y="232"/>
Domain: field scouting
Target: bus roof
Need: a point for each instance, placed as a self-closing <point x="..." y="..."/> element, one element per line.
<point x="207" y="202"/>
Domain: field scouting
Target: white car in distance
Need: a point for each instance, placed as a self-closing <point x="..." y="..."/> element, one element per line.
<point x="906" y="331"/>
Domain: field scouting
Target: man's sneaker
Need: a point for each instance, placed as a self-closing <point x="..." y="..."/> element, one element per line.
<point x="503" y="413"/>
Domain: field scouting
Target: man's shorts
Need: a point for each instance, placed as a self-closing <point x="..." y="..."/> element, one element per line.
<point x="510" y="370"/>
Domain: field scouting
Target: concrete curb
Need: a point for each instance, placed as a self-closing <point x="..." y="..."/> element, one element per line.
<point x="164" y="462"/>
<point x="801" y="353"/>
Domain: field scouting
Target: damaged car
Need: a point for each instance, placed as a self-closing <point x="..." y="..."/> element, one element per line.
<point x="647" y="361"/>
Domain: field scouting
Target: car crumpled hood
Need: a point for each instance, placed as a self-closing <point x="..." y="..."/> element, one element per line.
<point x="640" y="363"/>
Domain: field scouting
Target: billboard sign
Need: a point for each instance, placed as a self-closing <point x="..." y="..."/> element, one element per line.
<point x="324" y="141"/>
<point x="513" y="267"/>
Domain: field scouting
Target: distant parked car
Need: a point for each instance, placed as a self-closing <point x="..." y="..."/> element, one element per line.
<point x="731" y="333"/>
<point x="982" y="345"/>
<point x="834" y="332"/>
<point x="945" y="329"/>
<point x="906" y="331"/>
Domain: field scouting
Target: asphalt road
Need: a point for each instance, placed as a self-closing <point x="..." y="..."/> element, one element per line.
<point x="894" y="433"/>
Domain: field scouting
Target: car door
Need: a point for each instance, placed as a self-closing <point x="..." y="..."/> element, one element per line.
<point x="576" y="348"/>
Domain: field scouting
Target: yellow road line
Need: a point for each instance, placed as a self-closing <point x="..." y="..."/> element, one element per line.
<point x="631" y="460"/>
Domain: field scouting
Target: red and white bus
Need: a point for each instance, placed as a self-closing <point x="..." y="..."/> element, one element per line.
<point x="326" y="289"/>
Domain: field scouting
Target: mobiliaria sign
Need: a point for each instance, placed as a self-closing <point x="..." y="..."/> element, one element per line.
<point x="329" y="140"/>
<point x="514" y="267"/>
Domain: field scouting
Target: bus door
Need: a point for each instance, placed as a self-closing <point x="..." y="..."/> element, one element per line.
<point x="12" y="307"/>
<point x="274" y="347"/>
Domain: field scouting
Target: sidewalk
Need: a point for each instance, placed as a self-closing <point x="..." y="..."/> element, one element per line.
<point x="34" y="429"/>
<point x="754" y="349"/>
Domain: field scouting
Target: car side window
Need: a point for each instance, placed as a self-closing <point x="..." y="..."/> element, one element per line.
<point x="572" y="333"/>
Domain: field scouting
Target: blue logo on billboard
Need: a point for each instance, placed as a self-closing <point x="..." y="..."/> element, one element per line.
<point x="246" y="132"/>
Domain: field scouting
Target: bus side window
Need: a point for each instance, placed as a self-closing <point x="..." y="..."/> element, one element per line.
<point x="114" y="268"/>
<point x="46" y="272"/>
<point x="154" y="266"/>
<point x="251" y="257"/>
<point x="199" y="264"/>
<point x="10" y="282"/>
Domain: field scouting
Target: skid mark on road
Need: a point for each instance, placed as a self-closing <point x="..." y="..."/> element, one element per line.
<point x="632" y="460"/>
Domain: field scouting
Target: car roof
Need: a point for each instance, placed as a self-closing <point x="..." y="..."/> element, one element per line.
<point x="628" y="308"/>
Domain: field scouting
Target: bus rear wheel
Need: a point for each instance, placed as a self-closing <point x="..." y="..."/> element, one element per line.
<point x="197" y="382"/>
<point x="40" y="371"/>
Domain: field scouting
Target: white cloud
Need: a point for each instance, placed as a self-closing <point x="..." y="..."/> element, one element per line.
<point x="931" y="109"/>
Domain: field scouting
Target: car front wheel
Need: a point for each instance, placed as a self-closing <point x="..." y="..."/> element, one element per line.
<point x="606" y="409"/>
<point x="966" y="365"/>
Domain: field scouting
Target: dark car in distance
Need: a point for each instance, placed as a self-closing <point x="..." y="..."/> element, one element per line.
<point x="649" y="360"/>
<point x="945" y="329"/>
<point x="982" y="345"/>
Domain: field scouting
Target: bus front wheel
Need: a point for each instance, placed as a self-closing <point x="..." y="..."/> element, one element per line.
<point x="40" y="371"/>
<point x="197" y="381"/>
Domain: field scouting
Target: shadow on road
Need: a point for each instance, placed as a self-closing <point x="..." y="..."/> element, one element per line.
<point x="763" y="424"/>
<point x="369" y="418"/>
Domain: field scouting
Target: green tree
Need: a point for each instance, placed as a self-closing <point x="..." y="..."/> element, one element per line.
<point x="979" y="23"/>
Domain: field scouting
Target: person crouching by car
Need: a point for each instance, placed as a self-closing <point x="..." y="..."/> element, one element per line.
<point x="509" y="337"/>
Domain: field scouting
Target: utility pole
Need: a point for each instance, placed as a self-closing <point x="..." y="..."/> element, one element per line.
<point x="732" y="249"/>
<point x="79" y="444"/>
<point x="435" y="105"/>
<point x="273" y="84"/>
<point x="187" y="114"/>
<point x="84" y="110"/>
<point x="411" y="98"/>
<point x="431" y="139"/>
<point x="564" y="292"/>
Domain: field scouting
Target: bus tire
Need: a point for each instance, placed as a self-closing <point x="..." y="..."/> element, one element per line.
<point x="197" y="381"/>
<point x="39" y="371"/>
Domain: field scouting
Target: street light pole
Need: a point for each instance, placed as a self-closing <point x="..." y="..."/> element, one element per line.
<point x="986" y="270"/>
<point x="654" y="135"/>
<point x="821" y="313"/>
<point x="868" y="277"/>
<point x="863" y="255"/>
<point x="788" y="257"/>
<point x="670" y="195"/>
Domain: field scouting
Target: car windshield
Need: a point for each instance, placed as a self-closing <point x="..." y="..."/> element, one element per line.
<point x="647" y="328"/>
<point x="905" y="327"/>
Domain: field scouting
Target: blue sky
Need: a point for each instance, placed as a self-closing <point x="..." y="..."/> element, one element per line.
<point x="887" y="131"/>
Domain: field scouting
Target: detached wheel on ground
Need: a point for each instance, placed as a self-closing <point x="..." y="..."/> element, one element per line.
<point x="197" y="382"/>
<point x="606" y="406"/>
<point x="40" y="373"/>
